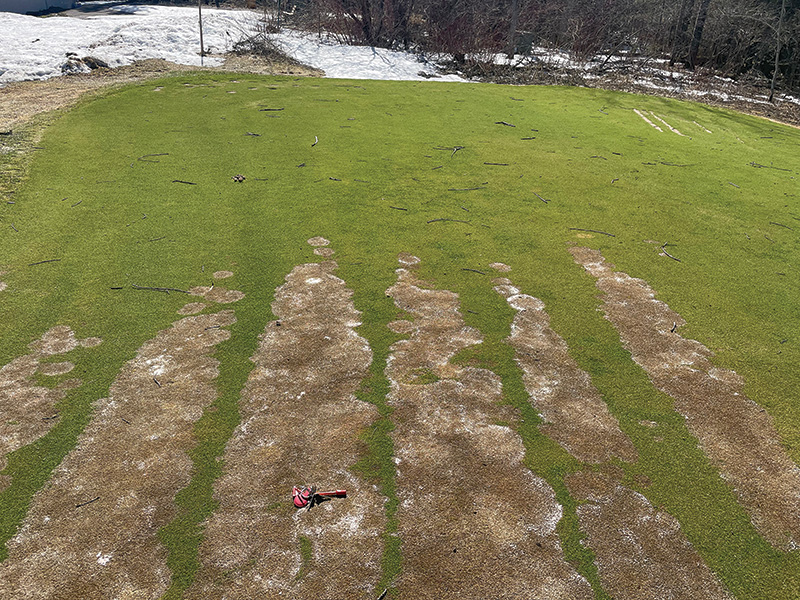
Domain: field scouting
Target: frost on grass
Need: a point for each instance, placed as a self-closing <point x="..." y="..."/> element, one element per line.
<point x="640" y="552"/>
<point x="575" y="414"/>
<point x="300" y="425"/>
<point x="91" y="531"/>
<point x="473" y="520"/>
<point x="736" y="434"/>
<point x="27" y="409"/>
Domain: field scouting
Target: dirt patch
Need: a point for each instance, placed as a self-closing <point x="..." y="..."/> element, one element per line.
<point x="736" y="434"/>
<point x="216" y="294"/>
<point x="192" y="308"/>
<point x="640" y="552"/>
<point x="3" y="285"/>
<point x="223" y="274"/>
<point x="91" y="531"/>
<point x="574" y="413"/>
<point x="324" y="252"/>
<point x="28" y="409"/>
<point x="474" y="521"/>
<point x="300" y="425"/>
<point x="318" y="241"/>
<point x="498" y="266"/>
<point x="19" y="101"/>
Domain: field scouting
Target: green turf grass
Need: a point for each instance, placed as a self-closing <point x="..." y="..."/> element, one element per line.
<point x="382" y="168"/>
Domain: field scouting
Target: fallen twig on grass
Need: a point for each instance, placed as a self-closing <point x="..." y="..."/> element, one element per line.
<point x="496" y="164"/>
<point x="465" y="189"/>
<point x="186" y="182"/>
<point x="733" y="184"/>
<point x="758" y="166"/>
<point x="504" y="123"/>
<point x="545" y="200"/>
<point x="87" y="502"/>
<point x="41" y="262"/>
<point x="270" y="109"/>
<point x="473" y="270"/>
<point x="398" y="207"/>
<point x="781" y="225"/>
<point x="250" y="133"/>
<point x="143" y="156"/>
<point x="669" y="164"/>
<point x="593" y="231"/>
<point x="383" y="594"/>
<point x="664" y="250"/>
<point x="14" y="228"/>
<point x="453" y="220"/>
<point x="316" y="141"/>
<point x="166" y="290"/>
<point x="157" y="382"/>
<point x="76" y="204"/>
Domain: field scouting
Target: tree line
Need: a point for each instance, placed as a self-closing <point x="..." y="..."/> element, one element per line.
<point x="736" y="37"/>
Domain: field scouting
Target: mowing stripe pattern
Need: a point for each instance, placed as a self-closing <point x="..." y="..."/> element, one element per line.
<point x="92" y="531"/>
<point x="28" y="409"/>
<point x="473" y="519"/>
<point x="575" y="415"/>
<point x="736" y="434"/>
<point x="641" y="552"/>
<point x="300" y="425"/>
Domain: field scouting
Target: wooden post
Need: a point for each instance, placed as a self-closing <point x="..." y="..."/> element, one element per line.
<point x="200" y="16"/>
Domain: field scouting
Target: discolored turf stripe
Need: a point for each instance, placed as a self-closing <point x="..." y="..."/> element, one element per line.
<point x="573" y="411"/>
<point x="91" y="532"/>
<point x="474" y="521"/>
<point x="300" y="425"/>
<point x="736" y="434"/>
<point x="27" y="409"/>
<point x="640" y="552"/>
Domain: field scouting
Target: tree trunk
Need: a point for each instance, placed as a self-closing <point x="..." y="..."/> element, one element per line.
<point x="777" y="50"/>
<point x="697" y="36"/>
<point x="681" y="27"/>
<point x="512" y="32"/>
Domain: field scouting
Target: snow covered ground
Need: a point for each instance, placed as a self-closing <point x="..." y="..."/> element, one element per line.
<point x="36" y="47"/>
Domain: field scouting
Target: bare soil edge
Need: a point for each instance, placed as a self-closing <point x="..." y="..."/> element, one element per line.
<point x="19" y="101"/>
<point x="300" y="425"/>
<point x="574" y="413"/>
<point x="27" y="409"/>
<point x="736" y="434"/>
<point x="91" y="531"/>
<point x="474" y="521"/>
<point x="640" y="552"/>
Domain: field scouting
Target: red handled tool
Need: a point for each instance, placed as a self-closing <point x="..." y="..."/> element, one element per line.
<point x="304" y="496"/>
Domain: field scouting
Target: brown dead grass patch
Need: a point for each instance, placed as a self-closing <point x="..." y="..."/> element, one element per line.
<point x="575" y="414"/>
<point x="640" y="552"/>
<point x="300" y="425"/>
<point x="474" y="521"/>
<point x="91" y="531"/>
<point x="736" y="434"/>
<point x="27" y="409"/>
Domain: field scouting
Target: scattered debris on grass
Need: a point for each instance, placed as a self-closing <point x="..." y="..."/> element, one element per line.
<point x="736" y="433"/>
<point x="472" y="517"/>
<point x="300" y="422"/>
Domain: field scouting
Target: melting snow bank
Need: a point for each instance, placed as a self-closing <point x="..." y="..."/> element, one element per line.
<point x="37" y="47"/>
<point x="356" y="62"/>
